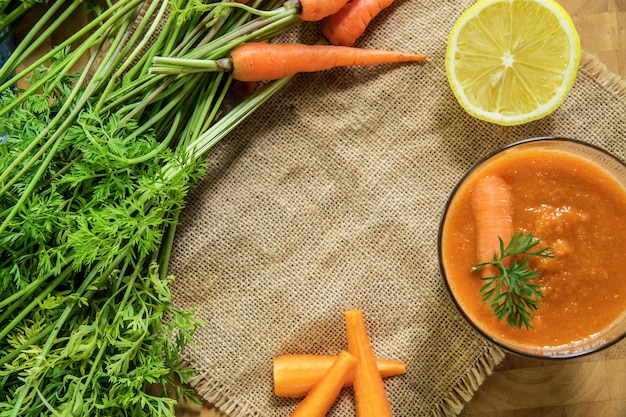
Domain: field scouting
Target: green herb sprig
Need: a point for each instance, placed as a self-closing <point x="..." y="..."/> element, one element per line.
<point x="512" y="293"/>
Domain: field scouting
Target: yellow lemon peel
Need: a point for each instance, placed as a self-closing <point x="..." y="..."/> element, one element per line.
<point x="512" y="61"/>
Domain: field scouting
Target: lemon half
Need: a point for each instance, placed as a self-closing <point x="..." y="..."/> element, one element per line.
<point x="512" y="61"/>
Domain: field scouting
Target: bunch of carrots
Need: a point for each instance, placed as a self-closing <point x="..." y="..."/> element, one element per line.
<point x="341" y="22"/>
<point x="96" y="166"/>
<point x="320" y="378"/>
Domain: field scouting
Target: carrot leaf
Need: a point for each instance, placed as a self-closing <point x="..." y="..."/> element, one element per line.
<point x="512" y="294"/>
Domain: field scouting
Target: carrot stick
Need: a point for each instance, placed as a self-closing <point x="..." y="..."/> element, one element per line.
<point x="369" y="391"/>
<point x="492" y="206"/>
<point x="294" y="375"/>
<point x="266" y="61"/>
<point x="319" y="400"/>
<point x="348" y="24"/>
<point x="314" y="10"/>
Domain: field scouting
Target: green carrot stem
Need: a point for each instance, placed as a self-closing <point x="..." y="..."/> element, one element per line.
<point x="139" y="38"/>
<point x="142" y="36"/>
<point x="252" y="10"/>
<point x="52" y="144"/>
<point x="144" y="55"/>
<point x="113" y="58"/>
<point x="94" y="365"/>
<point x="162" y="145"/>
<point x="250" y="30"/>
<point x="34" y="303"/>
<point x="192" y="38"/>
<point x="213" y="104"/>
<point x="57" y="72"/>
<point x="132" y="90"/>
<point x="41" y="30"/>
<point x="33" y="381"/>
<point x="165" y="65"/>
<point x="118" y="10"/>
<point x="181" y="97"/>
<point x="268" y="30"/>
<point x="167" y="246"/>
<point x="10" y="18"/>
<point x="198" y="148"/>
<point x="34" y="339"/>
<point x="55" y="142"/>
<point x="29" y="289"/>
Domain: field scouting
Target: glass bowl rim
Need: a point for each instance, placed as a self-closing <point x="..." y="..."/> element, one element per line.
<point x="442" y="270"/>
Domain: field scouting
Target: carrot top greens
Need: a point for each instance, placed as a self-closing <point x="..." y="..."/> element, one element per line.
<point x="512" y="294"/>
<point x="95" y="166"/>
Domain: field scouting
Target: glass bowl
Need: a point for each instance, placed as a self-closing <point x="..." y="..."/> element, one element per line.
<point x="572" y="196"/>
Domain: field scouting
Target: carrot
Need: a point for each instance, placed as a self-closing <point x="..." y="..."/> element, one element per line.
<point x="314" y="10"/>
<point x="492" y="206"/>
<point x="369" y="391"/>
<point x="266" y="61"/>
<point x="294" y="375"/>
<point x="348" y="24"/>
<point x="319" y="400"/>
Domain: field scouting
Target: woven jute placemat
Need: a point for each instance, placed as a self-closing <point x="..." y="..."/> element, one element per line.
<point x="329" y="198"/>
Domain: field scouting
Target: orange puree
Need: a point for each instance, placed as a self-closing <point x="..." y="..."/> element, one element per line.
<point x="578" y="210"/>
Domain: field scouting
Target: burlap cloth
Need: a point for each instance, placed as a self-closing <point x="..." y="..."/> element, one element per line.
<point x="328" y="198"/>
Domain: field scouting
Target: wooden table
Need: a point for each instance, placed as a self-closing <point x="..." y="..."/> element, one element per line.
<point x="584" y="387"/>
<point x="601" y="25"/>
<point x="581" y="387"/>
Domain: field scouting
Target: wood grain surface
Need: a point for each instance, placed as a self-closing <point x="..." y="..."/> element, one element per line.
<point x="593" y="386"/>
<point x="584" y="387"/>
<point x="601" y="25"/>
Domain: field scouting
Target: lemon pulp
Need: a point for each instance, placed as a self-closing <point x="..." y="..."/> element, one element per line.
<point x="512" y="61"/>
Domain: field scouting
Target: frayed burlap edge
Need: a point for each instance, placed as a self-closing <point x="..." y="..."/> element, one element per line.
<point x="462" y="393"/>
<point x="217" y="395"/>
<point x="450" y="406"/>
<point x="453" y="403"/>
<point x="613" y="83"/>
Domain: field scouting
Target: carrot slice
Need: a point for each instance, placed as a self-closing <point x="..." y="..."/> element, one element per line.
<point x="294" y="375"/>
<point x="369" y="391"/>
<point x="319" y="400"/>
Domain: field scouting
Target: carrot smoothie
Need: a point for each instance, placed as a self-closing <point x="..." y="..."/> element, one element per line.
<point x="578" y="210"/>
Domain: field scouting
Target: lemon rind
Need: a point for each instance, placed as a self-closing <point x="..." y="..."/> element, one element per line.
<point x="542" y="110"/>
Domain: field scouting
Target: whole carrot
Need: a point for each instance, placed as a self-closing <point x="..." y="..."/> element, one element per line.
<point x="492" y="206"/>
<point x="267" y="61"/>
<point x="348" y="24"/>
<point x="314" y="10"/>
<point x="319" y="400"/>
<point x="294" y="375"/>
<point x="369" y="392"/>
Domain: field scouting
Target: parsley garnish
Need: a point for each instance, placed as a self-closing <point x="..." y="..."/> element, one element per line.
<point x="512" y="294"/>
